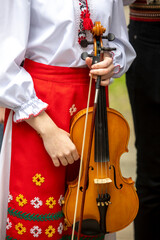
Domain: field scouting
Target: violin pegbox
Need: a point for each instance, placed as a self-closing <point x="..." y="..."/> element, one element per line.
<point x="97" y="32"/>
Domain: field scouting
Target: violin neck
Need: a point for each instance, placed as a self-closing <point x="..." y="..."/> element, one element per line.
<point x="101" y="129"/>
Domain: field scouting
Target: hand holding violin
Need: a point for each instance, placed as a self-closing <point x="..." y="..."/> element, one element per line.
<point x="105" y="69"/>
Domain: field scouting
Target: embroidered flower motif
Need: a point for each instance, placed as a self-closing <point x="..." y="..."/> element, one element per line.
<point x="21" y="200"/>
<point x="85" y="21"/>
<point x="36" y="231"/>
<point x="50" y="202"/>
<point x="50" y="231"/>
<point x="36" y="202"/>
<point x="60" y="200"/>
<point x="38" y="179"/>
<point x="20" y="229"/>
<point x="72" y="109"/>
<point x="9" y="224"/>
<point x="60" y="228"/>
<point x="10" y="197"/>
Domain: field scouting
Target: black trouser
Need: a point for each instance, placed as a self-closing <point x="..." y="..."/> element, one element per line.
<point x="143" y="82"/>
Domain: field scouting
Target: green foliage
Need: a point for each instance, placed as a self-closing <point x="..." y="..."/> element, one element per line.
<point x="118" y="96"/>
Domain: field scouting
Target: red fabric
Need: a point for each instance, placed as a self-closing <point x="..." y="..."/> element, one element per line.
<point x="66" y="92"/>
<point x="145" y="19"/>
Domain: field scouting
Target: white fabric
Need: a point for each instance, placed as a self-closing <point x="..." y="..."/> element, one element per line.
<point x="47" y="32"/>
<point x="111" y="236"/>
<point x="4" y="176"/>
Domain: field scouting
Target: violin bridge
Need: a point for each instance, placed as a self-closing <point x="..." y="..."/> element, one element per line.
<point x="102" y="180"/>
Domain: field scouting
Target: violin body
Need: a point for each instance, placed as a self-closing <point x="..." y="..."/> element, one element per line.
<point x="122" y="206"/>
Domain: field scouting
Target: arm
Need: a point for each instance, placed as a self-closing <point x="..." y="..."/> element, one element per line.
<point x="56" y="141"/>
<point x="16" y="85"/>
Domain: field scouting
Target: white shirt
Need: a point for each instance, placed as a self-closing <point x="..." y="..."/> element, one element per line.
<point x="46" y="31"/>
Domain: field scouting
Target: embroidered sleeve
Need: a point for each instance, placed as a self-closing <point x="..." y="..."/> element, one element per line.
<point x="16" y="85"/>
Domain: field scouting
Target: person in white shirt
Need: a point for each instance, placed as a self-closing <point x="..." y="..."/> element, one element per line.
<point x="43" y="96"/>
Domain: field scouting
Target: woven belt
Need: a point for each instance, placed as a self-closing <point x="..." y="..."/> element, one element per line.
<point x="141" y="11"/>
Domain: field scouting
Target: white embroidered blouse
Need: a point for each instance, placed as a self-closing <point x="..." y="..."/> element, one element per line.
<point x="47" y="32"/>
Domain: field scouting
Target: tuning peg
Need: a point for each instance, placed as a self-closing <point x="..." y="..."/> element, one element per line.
<point x="108" y="49"/>
<point x="110" y="37"/>
<point x="84" y="43"/>
<point x="84" y="55"/>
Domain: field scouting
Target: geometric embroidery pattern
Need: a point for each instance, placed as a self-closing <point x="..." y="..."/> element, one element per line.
<point x="9" y="224"/>
<point x="50" y="231"/>
<point x="73" y="109"/>
<point x="20" y="229"/>
<point x="36" y="202"/>
<point x="35" y="217"/>
<point x="60" y="228"/>
<point x="10" y="238"/>
<point x="50" y="202"/>
<point x="61" y="199"/>
<point x="36" y="231"/>
<point x="10" y="197"/>
<point x="38" y="179"/>
<point x="21" y="200"/>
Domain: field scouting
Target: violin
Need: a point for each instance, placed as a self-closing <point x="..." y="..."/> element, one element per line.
<point x="101" y="200"/>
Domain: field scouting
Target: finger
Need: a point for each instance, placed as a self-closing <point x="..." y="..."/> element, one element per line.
<point x="70" y="158"/>
<point x="63" y="160"/>
<point x="103" y="64"/>
<point x="75" y="155"/>
<point x="108" y="76"/>
<point x="55" y="162"/>
<point x="89" y="62"/>
<point x="105" y="83"/>
<point x="103" y="71"/>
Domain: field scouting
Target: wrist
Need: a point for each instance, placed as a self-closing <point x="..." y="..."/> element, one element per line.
<point x="42" y="124"/>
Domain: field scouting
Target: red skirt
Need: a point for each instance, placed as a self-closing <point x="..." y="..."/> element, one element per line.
<point x="36" y="186"/>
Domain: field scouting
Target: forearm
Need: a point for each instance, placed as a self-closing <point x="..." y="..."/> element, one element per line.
<point x="42" y="123"/>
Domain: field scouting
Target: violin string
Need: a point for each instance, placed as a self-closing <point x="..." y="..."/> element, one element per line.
<point x="106" y="162"/>
<point x="101" y="149"/>
<point x="81" y="160"/>
<point x="96" y="146"/>
<point x="97" y="163"/>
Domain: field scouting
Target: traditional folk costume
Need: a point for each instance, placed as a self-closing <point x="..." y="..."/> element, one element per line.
<point x="144" y="92"/>
<point x="54" y="78"/>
